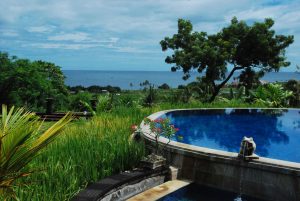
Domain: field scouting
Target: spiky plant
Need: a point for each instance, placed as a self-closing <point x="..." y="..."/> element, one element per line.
<point x="272" y="95"/>
<point x="21" y="139"/>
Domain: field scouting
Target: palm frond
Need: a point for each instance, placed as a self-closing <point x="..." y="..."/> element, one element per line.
<point x="21" y="139"/>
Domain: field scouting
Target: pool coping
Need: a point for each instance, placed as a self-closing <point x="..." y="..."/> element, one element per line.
<point x="214" y="154"/>
<point x="160" y="191"/>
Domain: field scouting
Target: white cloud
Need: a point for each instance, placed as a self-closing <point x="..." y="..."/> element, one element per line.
<point x="287" y="17"/>
<point x="41" y="29"/>
<point x="76" y="46"/>
<point x="76" y="37"/>
<point x="140" y="24"/>
<point x="9" y="33"/>
<point x="132" y="50"/>
<point x="255" y="13"/>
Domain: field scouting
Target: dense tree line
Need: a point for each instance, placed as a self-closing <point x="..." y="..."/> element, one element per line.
<point x="95" y="89"/>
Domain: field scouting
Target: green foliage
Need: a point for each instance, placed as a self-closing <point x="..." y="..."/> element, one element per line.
<point x="127" y="100"/>
<point x="249" y="78"/>
<point x="29" y="83"/>
<point x="185" y="95"/>
<point x="294" y="86"/>
<point x="21" y="139"/>
<point x="80" y="101"/>
<point x="164" y="86"/>
<point x="150" y="98"/>
<point x="239" y="45"/>
<point x="240" y="93"/>
<point x="105" y="103"/>
<point x="201" y="89"/>
<point x="272" y="95"/>
<point x="161" y="127"/>
<point x="86" y="152"/>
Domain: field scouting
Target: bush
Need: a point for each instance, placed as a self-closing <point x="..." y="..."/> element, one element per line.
<point x="78" y="101"/>
<point x="272" y="95"/>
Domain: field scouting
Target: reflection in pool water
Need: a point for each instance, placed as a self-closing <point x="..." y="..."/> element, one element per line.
<point x="195" y="192"/>
<point x="276" y="132"/>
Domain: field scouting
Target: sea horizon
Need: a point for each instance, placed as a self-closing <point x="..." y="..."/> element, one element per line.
<point x="130" y="80"/>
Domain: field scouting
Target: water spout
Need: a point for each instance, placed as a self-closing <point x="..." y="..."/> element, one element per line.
<point x="247" y="149"/>
<point x="246" y="153"/>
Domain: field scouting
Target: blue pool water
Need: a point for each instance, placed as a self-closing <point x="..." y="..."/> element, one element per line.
<point x="275" y="132"/>
<point x="195" y="192"/>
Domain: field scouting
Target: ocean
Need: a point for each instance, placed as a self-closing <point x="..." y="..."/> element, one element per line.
<point x="131" y="79"/>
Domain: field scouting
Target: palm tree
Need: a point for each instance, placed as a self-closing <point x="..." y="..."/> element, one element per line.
<point x="21" y="139"/>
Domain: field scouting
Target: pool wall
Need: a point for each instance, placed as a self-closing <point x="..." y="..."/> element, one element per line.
<point x="263" y="178"/>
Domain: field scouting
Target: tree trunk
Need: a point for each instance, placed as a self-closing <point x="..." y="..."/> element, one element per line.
<point x="218" y="87"/>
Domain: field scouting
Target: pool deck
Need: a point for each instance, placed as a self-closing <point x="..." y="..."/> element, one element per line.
<point x="160" y="191"/>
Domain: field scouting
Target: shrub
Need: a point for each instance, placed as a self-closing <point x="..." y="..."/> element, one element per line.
<point x="79" y="100"/>
<point x="272" y="95"/>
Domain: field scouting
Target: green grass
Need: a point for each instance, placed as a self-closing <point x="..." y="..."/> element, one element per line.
<point x="86" y="152"/>
<point x="91" y="150"/>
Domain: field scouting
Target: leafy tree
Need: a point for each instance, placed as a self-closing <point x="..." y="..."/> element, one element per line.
<point x="29" y="83"/>
<point x="164" y="86"/>
<point x="236" y="47"/>
<point x="145" y="83"/>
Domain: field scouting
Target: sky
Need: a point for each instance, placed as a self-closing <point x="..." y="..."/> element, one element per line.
<point x="125" y="34"/>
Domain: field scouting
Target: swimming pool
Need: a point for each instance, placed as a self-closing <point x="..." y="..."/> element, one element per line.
<point x="276" y="132"/>
<point x="205" y="150"/>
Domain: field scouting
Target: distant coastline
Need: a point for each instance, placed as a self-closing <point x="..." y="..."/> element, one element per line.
<point x="131" y="80"/>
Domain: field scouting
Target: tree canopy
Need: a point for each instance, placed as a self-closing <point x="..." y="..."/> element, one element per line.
<point x="239" y="46"/>
<point x="29" y="83"/>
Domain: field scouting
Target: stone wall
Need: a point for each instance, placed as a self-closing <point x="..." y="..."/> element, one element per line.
<point x="259" y="178"/>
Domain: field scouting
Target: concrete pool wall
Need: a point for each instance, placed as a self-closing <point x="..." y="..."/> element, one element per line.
<point x="264" y="178"/>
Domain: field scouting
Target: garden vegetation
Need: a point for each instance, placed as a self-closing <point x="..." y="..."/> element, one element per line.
<point x="88" y="150"/>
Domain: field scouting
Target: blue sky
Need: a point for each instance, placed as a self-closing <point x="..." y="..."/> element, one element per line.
<point x="125" y="34"/>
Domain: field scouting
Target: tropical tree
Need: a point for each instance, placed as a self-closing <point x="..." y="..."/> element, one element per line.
<point x="29" y="83"/>
<point x="237" y="47"/>
<point x="22" y="137"/>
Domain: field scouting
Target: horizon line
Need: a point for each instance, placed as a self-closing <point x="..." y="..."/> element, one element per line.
<point x="153" y="71"/>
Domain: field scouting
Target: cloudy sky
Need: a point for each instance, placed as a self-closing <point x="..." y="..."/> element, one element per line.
<point x="125" y="34"/>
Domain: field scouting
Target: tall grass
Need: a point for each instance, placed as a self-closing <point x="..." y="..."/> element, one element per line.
<point x="87" y="152"/>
